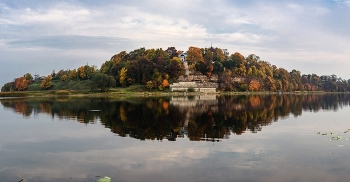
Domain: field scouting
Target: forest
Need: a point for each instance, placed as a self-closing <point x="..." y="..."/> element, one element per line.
<point x="157" y="69"/>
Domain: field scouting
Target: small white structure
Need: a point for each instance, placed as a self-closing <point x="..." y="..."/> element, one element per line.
<point x="197" y="87"/>
<point x="183" y="56"/>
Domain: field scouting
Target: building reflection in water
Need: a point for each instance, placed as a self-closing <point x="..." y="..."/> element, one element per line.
<point x="198" y="118"/>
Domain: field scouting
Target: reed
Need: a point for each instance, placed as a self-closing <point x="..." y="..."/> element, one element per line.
<point x="62" y="92"/>
<point x="13" y="94"/>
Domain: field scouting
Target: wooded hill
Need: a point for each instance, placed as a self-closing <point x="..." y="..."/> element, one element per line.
<point x="157" y="68"/>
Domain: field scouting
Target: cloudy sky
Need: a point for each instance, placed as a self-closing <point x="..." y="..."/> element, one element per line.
<point x="41" y="36"/>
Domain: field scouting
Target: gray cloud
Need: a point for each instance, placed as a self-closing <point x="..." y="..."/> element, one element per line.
<point x="295" y="34"/>
<point x="72" y="42"/>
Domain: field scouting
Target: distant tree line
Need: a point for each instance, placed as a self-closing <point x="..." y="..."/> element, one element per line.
<point x="158" y="68"/>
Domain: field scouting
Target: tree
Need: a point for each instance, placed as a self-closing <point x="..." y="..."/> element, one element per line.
<point x="64" y="78"/>
<point x="237" y="59"/>
<point x="165" y="83"/>
<point x="7" y="87"/>
<point x="46" y="83"/>
<point x="102" y="82"/>
<point x="172" y="52"/>
<point x="81" y="73"/>
<point x="218" y="67"/>
<point x="73" y="74"/>
<point x="89" y="71"/>
<point x="146" y="69"/>
<point x="137" y="53"/>
<point x="123" y="77"/>
<point x="175" y="68"/>
<point x="194" y="55"/>
<point x="219" y="55"/>
<point x="254" y="85"/>
<point x="20" y="84"/>
<point x="28" y="77"/>
<point x="149" y="84"/>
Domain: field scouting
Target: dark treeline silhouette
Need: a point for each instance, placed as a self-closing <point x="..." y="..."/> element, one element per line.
<point x="157" y="68"/>
<point x="195" y="118"/>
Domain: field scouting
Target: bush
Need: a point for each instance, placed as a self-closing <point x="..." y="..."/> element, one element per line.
<point x="62" y="92"/>
<point x="243" y="87"/>
<point x="13" y="94"/>
<point x="191" y="89"/>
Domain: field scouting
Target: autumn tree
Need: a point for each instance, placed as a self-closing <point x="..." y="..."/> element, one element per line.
<point x="149" y="84"/>
<point x="64" y="78"/>
<point x="165" y="83"/>
<point x="254" y="85"/>
<point x="218" y="55"/>
<point x="123" y="77"/>
<point x="81" y="73"/>
<point x="73" y="74"/>
<point x="194" y="55"/>
<point x="46" y="83"/>
<point x="21" y="84"/>
<point x="237" y="59"/>
<point x="28" y="77"/>
<point x="86" y="72"/>
<point x="295" y="79"/>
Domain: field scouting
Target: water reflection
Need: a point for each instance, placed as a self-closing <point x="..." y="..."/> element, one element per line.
<point x="198" y="118"/>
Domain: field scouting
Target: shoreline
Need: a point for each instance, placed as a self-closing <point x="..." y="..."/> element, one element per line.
<point x="118" y="94"/>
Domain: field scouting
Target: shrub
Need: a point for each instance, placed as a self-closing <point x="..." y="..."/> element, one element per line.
<point x="13" y="94"/>
<point x="191" y="89"/>
<point x="62" y="92"/>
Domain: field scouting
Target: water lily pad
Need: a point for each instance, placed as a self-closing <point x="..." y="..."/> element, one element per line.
<point x="336" y="138"/>
<point x="104" y="179"/>
<point x="325" y="133"/>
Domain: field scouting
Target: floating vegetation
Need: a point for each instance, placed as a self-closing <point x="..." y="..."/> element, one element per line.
<point x="326" y="133"/>
<point x="104" y="179"/>
<point x="338" y="137"/>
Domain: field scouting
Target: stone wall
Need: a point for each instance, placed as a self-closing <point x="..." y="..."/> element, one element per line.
<point x="195" y="80"/>
<point x="196" y="86"/>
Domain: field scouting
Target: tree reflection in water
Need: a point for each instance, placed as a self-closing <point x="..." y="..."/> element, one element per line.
<point x="199" y="118"/>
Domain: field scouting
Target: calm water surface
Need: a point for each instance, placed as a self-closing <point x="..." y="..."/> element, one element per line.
<point x="207" y="138"/>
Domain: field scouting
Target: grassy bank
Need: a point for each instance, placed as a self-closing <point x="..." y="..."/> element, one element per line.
<point x="82" y="88"/>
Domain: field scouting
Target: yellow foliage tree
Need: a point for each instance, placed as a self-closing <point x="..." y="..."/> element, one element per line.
<point x="64" y="78"/>
<point x="81" y="72"/>
<point x="46" y="83"/>
<point x="73" y="74"/>
<point x="123" y="76"/>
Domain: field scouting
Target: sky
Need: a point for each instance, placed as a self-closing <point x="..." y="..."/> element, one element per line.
<point x="38" y="36"/>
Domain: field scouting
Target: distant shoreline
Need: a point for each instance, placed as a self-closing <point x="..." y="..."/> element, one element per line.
<point x="116" y="94"/>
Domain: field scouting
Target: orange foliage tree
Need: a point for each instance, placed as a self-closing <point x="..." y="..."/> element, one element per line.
<point x="194" y="55"/>
<point x="165" y="83"/>
<point x="254" y="85"/>
<point x="21" y="84"/>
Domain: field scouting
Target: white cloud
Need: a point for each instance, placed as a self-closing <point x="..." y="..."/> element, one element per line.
<point x="266" y="28"/>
